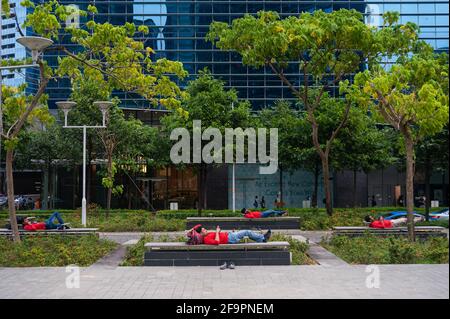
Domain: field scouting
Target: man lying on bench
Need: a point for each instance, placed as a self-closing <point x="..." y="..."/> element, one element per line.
<point x="384" y="223"/>
<point x="268" y="213"/>
<point x="221" y="238"/>
<point x="218" y="237"/>
<point x="29" y="224"/>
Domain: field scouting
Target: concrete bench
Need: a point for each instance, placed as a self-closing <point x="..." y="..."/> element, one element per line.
<point x="249" y="254"/>
<point x="422" y="232"/>
<point x="244" y="223"/>
<point x="65" y="232"/>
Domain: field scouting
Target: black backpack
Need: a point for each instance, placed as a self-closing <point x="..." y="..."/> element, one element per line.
<point x="20" y="220"/>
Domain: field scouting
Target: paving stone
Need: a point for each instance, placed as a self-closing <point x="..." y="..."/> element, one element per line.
<point x="396" y="281"/>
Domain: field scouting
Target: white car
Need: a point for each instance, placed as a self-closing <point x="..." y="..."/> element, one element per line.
<point x="440" y="215"/>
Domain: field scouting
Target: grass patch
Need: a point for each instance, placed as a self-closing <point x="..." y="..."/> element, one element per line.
<point x="135" y="254"/>
<point x="370" y="249"/>
<point x="297" y="248"/>
<point x="53" y="251"/>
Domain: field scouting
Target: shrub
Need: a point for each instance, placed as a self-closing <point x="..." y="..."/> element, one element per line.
<point x="370" y="249"/>
<point x="53" y="251"/>
<point x="135" y="254"/>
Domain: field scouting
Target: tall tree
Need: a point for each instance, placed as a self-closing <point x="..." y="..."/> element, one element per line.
<point x="105" y="53"/>
<point x="432" y="157"/>
<point x="283" y="117"/>
<point x="127" y="144"/>
<point x="412" y="96"/>
<point x="45" y="148"/>
<point x="327" y="48"/>
<point x="14" y="105"/>
<point x="215" y="107"/>
<point x="362" y="146"/>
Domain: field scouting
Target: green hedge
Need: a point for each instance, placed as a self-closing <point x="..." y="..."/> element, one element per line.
<point x="375" y="250"/>
<point x="144" y="221"/>
<point x="53" y="251"/>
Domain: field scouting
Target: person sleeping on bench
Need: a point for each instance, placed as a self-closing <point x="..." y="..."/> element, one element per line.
<point x="29" y="224"/>
<point x="268" y="213"/>
<point x="220" y="238"/>
<point x="384" y="223"/>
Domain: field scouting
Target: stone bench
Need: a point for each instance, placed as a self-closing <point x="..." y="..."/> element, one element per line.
<point x="244" y="223"/>
<point x="48" y="232"/>
<point x="248" y="254"/>
<point x="422" y="232"/>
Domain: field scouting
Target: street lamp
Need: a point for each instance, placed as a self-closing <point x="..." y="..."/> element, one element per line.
<point x="35" y="44"/>
<point x="66" y="106"/>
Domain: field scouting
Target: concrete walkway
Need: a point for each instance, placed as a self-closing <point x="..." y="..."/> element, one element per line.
<point x="395" y="281"/>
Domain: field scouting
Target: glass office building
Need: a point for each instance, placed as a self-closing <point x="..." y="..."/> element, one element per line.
<point x="178" y="29"/>
<point x="9" y="48"/>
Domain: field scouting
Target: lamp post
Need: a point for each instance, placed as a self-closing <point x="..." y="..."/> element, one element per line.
<point x="66" y="106"/>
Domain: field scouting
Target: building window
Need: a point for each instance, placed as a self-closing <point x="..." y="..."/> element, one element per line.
<point x="8" y="46"/>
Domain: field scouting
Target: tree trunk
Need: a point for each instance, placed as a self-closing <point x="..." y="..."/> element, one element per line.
<point x="409" y="144"/>
<point x="354" y="188"/>
<point x="75" y="186"/>
<point x="427" y="186"/>
<point x="200" y="190"/>
<point x="205" y="198"/>
<point x="10" y="193"/>
<point x="45" y="187"/>
<point x="316" y="185"/>
<point x="326" y="184"/>
<point x="281" y="186"/>
<point x="109" y="194"/>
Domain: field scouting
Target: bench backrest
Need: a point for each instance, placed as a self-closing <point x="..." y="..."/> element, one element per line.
<point x="229" y="219"/>
<point x="395" y="229"/>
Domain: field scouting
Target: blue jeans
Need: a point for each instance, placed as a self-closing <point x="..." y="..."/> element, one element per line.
<point x="236" y="237"/>
<point x="50" y="222"/>
<point x="272" y="213"/>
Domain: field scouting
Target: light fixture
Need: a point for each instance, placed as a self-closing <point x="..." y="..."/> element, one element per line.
<point x="35" y="44"/>
<point x="66" y="106"/>
<point x="104" y="107"/>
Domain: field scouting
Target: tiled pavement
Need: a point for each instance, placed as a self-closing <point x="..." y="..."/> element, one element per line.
<point x="396" y="281"/>
<point x="336" y="280"/>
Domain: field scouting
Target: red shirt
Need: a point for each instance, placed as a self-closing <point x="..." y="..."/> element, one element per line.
<point x="210" y="238"/>
<point x="36" y="226"/>
<point x="381" y="224"/>
<point x="253" y="215"/>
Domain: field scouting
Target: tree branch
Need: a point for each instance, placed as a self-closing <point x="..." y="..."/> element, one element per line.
<point x="341" y="125"/>
<point x="284" y="79"/>
<point x="43" y="85"/>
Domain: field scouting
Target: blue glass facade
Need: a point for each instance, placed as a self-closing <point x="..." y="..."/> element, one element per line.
<point x="178" y="29"/>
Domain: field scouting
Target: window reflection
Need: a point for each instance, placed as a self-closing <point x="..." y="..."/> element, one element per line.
<point x="152" y="13"/>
